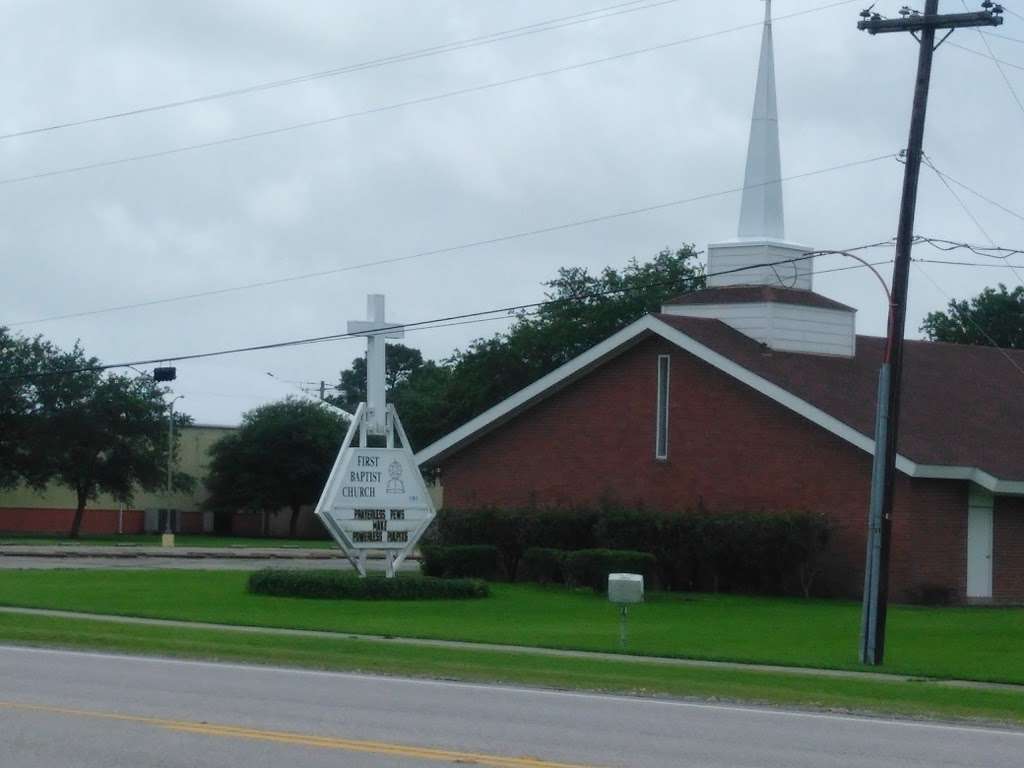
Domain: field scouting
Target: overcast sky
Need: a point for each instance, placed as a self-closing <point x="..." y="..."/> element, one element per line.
<point x="628" y="133"/>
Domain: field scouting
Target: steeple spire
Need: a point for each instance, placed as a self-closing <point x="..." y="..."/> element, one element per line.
<point x="761" y="210"/>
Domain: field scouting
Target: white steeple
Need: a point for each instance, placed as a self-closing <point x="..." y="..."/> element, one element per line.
<point x="761" y="237"/>
<point x="759" y="284"/>
<point x="761" y="211"/>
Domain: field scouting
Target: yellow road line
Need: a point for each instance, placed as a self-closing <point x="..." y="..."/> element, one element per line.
<point x="299" y="739"/>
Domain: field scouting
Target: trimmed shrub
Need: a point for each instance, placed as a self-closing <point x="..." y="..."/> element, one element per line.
<point x="513" y="531"/>
<point x="754" y="552"/>
<point x="590" y="567"/>
<point x="762" y="552"/>
<point x="543" y="565"/>
<point x="345" y="585"/>
<point x="669" y="537"/>
<point x="470" y="561"/>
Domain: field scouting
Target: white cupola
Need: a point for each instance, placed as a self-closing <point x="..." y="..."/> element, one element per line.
<point x="748" y="288"/>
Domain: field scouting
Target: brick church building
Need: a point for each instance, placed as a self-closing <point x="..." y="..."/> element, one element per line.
<point x="756" y="394"/>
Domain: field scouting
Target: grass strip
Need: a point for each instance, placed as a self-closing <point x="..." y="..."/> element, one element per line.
<point x="963" y="643"/>
<point x="909" y="698"/>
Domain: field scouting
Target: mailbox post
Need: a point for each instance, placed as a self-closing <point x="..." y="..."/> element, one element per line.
<point x="624" y="590"/>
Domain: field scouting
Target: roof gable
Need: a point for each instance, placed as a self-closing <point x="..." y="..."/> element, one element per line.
<point x="837" y="394"/>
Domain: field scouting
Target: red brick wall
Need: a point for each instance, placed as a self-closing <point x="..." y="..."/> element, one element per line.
<point x="94" y="521"/>
<point x="929" y="542"/>
<point x="730" y="449"/>
<point x="190" y="522"/>
<point x="1008" y="550"/>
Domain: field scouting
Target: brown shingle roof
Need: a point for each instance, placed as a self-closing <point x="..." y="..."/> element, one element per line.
<point x="961" y="406"/>
<point x="750" y="294"/>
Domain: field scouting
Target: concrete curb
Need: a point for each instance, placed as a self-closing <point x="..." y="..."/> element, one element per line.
<point x="521" y="649"/>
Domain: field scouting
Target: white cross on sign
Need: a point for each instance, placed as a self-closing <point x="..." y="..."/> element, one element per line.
<point x="377" y="330"/>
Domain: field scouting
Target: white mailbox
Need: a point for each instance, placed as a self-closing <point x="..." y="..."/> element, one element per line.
<point x="625" y="588"/>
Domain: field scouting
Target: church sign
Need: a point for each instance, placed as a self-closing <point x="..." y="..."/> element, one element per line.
<point x="375" y="498"/>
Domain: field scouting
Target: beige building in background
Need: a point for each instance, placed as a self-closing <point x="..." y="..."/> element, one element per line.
<point x="24" y="510"/>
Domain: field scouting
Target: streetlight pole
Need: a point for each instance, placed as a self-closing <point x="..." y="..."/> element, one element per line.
<point x="170" y="456"/>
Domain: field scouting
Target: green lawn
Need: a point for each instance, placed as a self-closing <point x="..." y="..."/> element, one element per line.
<point x="969" y="643"/>
<point x="153" y="540"/>
<point x="905" y="698"/>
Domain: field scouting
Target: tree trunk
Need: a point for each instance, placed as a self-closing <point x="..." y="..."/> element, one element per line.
<point x="76" y="524"/>
<point x="294" y="522"/>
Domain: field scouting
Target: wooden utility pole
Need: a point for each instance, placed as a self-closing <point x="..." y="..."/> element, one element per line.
<point x="876" y="572"/>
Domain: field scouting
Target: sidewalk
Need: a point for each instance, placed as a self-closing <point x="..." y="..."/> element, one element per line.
<point x="521" y="649"/>
<point x="124" y="551"/>
<point x="137" y="550"/>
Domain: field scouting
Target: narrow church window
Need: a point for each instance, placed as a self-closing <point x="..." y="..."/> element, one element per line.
<point x="661" y="426"/>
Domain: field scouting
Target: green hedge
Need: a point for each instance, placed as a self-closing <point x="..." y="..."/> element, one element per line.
<point x="590" y="567"/>
<point x="345" y="585"/>
<point x="474" y="561"/>
<point x="513" y="531"/>
<point x="753" y="552"/>
<point x="543" y="565"/>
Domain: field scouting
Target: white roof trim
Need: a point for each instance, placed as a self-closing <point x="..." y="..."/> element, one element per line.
<point x="543" y="387"/>
<point x="630" y="336"/>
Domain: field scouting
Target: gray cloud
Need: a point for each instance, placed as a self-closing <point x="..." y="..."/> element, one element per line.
<point x="618" y="135"/>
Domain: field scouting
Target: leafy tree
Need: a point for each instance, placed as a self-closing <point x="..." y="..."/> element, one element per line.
<point x="99" y="432"/>
<point x="279" y="457"/>
<point x="583" y="310"/>
<point x="400" y="362"/>
<point x="992" y="318"/>
<point x="19" y="358"/>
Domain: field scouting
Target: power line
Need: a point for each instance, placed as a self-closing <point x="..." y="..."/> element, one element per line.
<point x="984" y="55"/>
<point x="1012" y="12"/>
<point x="963" y="205"/>
<point x="440" y="251"/>
<point x="979" y="195"/>
<point x="973" y="322"/>
<point x="999" y="66"/>
<point x="966" y="263"/>
<point x="546" y="25"/>
<point x="992" y="252"/>
<point x="1004" y="37"/>
<point x="434" y="322"/>
<point x="535" y="312"/>
<point x="398" y="105"/>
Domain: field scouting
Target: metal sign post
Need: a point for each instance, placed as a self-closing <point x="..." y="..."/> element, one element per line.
<point x="375" y="499"/>
<point x="624" y="590"/>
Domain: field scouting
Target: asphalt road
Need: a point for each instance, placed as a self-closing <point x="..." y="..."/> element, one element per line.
<point x="101" y="711"/>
